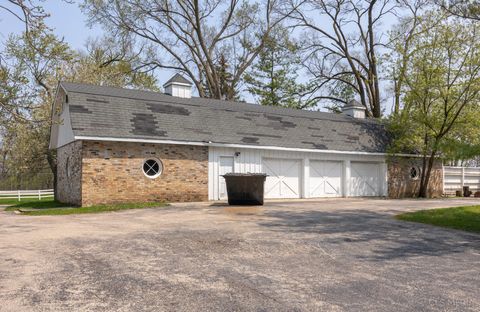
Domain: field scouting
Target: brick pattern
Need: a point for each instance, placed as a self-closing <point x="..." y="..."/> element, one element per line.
<point x="112" y="172"/>
<point x="69" y="173"/>
<point x="401" y="185"/>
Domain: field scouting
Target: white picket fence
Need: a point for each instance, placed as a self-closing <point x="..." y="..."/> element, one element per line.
<point x="455" y="178"/>
<point x="26" y="194"/>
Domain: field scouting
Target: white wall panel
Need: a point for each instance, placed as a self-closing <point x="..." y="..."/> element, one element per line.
<point x="250" y="160"/>
<point x="455" y="178"/>
<point x="365" y="179"/>
<point x="283" y="177"/>
<point x="325" y="178"/>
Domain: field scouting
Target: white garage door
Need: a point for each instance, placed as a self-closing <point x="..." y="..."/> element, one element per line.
<point x="325" y="178"/>
<point x="283" y="180"/>
<point x="365" y="179"/>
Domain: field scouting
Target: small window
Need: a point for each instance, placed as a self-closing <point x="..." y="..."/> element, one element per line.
<point x="68" y="170"/>
<point x="152" y="168"/>
<point x="414" y="173"/>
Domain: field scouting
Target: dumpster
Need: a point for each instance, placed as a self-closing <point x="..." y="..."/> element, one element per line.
<point x="245" y="188"/>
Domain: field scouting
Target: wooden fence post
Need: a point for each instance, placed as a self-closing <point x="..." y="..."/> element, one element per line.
<point x="18" y="195"/>
<point x="39" y="195"/>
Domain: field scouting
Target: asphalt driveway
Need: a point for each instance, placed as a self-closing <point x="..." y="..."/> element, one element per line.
<point x="326" y="255"/>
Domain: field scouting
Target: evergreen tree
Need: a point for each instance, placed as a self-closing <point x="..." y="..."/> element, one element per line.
<point x="273" y="78"/>
<point x="226" y="84"/>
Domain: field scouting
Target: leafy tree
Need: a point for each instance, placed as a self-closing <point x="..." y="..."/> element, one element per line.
<point x="14" y="101"/>
<point x="42" y="61"/>
<point x="401" y="48"/>
<point x="28" y="12"/>
<point x="341" y="91"/>
<point x="106" y="63"/>
<point x="461" y="8"/>
<point x="31" y="65"/>
<point x="34" y="57"/>
<point x="273" y="78"/>
<point x="442" y="94"/>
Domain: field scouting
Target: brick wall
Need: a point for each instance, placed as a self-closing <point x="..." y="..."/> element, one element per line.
<point x="401" y="185"/>
<point x="69" y="173"/>
<point x="112" y="172"/>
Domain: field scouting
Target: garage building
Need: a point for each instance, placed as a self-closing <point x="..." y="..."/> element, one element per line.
<point x="117" y="145"/>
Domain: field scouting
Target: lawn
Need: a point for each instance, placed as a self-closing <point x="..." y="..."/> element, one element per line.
<point x="51" y="207"/>
<point x="461" y="218"/>
<point x="14" y="201"/>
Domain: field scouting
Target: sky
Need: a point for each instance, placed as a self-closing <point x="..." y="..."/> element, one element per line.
<point x="66" y="19"/>
<point x="68" y="22"/>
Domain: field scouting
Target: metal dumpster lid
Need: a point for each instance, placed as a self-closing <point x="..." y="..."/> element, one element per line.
<point x="233" y="174"/>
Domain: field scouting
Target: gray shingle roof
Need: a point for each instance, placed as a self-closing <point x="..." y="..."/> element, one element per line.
<point x="132" y="114"/>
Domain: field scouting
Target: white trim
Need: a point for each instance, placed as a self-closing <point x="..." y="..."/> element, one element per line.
<point x="219" y="177"/>
<point x="443" y="178"/>
<point x="418" y="172"/>
<point x="177" y="84"/>
<point x="346" y="174"/>
<point x="264" y="147"/>
<point x="160" y="167"/>
<point x="306" y="178"/>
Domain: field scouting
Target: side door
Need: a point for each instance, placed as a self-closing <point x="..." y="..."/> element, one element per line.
<point x="225" y="165"/>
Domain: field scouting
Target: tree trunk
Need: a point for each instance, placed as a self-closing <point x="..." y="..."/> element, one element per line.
<point x="423" y="191"/>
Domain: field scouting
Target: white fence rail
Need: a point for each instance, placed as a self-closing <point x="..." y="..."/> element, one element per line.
<point x="455" y="178"/>
<point x="26" y="194"/>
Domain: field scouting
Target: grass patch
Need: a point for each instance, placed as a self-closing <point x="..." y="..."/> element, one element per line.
<point x="14" y="201"/>
<point x="460" y="218"/>
<point x="51" y="207"/>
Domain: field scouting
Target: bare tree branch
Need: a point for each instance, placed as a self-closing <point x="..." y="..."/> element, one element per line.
<point x="191" y="36"/>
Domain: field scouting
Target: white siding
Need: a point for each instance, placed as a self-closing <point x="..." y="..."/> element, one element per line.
<point x="455" y="178"/>
<point x="250" y="160"/>
<point x="325" y="178"/>
<point x="284" y="177"/>
<point x="179" y="90"/>
<point x="365" y="179"/>
<point x="65" y="132"/>
<point x="62" y="132"/>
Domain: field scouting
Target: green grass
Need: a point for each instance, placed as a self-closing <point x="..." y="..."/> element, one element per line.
<point x="14" y="201"/>
<point x="460" y="218"/>
<point x="51" y="207"/>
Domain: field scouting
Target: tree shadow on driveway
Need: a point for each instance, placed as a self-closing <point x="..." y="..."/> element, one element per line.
<point x="386" y="237"/>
